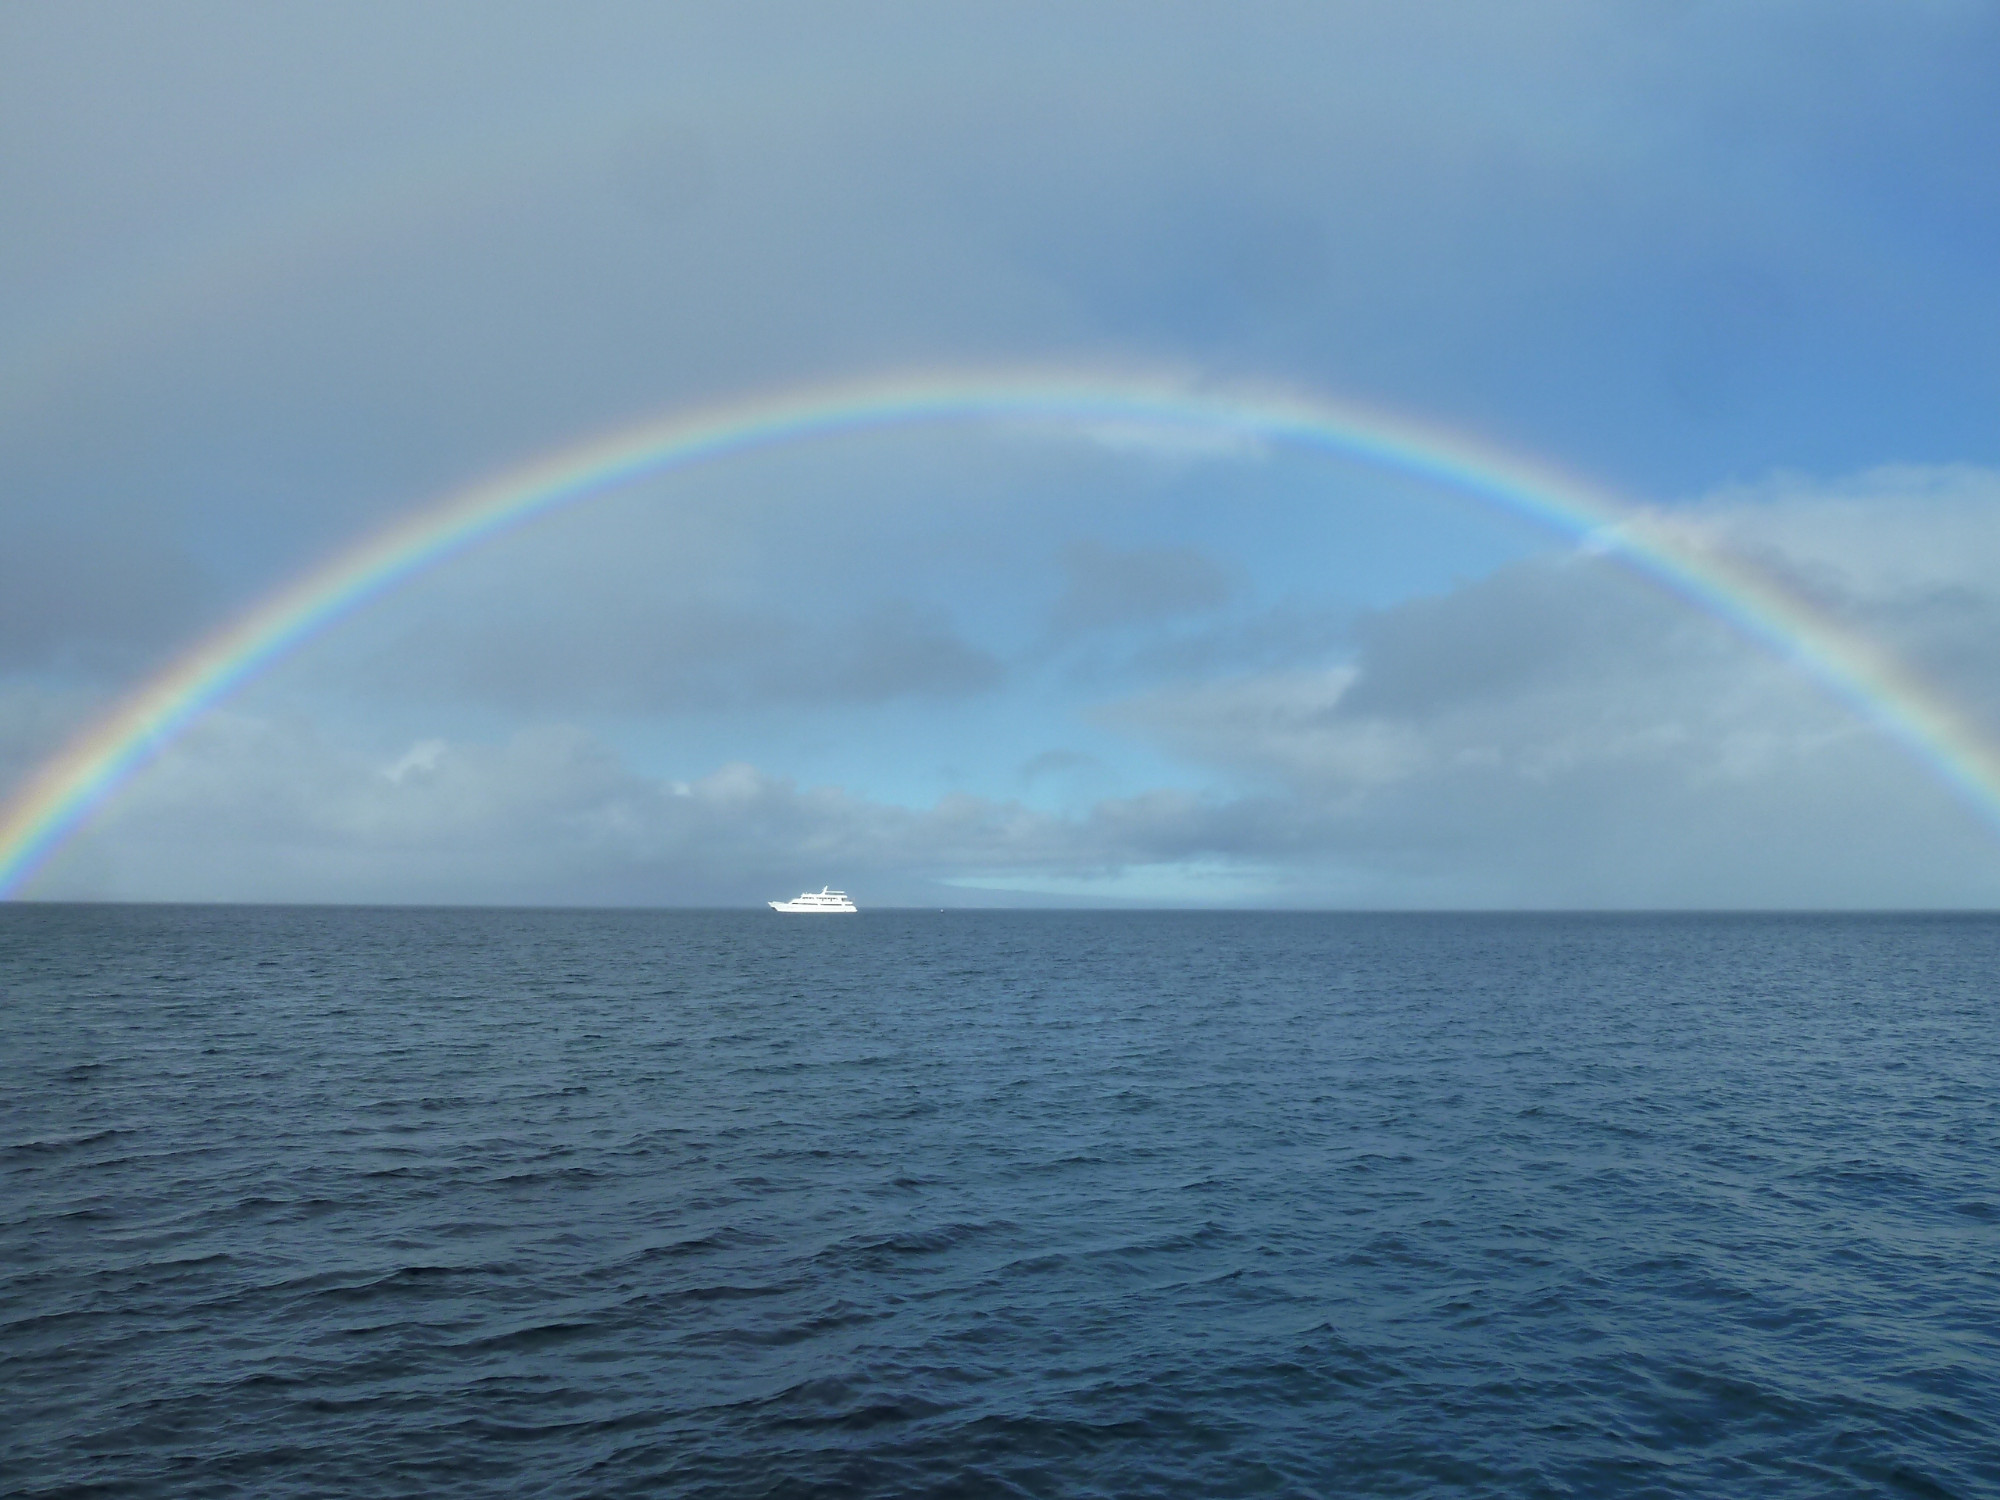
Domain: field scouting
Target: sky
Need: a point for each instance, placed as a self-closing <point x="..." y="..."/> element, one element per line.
<point x="273" y="278"/>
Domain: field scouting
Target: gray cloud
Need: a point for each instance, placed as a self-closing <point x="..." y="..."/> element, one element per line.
<point x="252" y="809"/>
<point x="1557" y="734"/>
<point x="1106" y="587"/>
<point x="1906" y="555"/>
<point x="666" y="657"/>
<point x="1525" y="630"/>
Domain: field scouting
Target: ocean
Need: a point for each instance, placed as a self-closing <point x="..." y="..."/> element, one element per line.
<point x="356" y="1202"/>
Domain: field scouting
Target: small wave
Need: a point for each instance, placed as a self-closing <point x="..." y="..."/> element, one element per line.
<point x="712" y="1242"/>
<point x="1032" y="1265"/>
<point x="576" y="1177"/>
<point x="836" y="1319"/>
<point x="841" y="1404"/>
<point x="524" y="1340"/>
<point x="1862" y="1176"/>
<point x="897" y="1411"/>
<point x="56" y="1144"/>
<point x="876" y="1250"/>
<point x="723" y="1291"/>
<point x="338" y="1287"/>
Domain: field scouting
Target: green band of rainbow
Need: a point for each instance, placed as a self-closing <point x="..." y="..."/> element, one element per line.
<point x="60" y="795"/>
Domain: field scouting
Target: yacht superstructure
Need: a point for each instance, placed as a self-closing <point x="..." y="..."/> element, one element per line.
<point x="824" y="899"/>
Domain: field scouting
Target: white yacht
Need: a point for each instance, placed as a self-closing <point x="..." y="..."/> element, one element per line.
<point x="823" y="899"/>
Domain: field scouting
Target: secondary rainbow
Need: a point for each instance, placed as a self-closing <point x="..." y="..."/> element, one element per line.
<point x="56" y="800"/>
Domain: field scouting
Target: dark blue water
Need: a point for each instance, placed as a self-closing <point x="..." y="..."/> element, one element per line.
<point x="336" y="1202"/>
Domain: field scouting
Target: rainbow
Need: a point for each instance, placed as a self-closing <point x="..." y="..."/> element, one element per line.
<point x="60" y="796"/>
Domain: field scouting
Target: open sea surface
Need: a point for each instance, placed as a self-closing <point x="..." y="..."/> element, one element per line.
<point x="316" y="1202"/>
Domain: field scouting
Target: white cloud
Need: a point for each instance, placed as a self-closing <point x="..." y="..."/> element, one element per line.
<point x="423" y="756"/>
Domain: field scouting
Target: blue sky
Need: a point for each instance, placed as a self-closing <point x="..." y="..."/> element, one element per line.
<point x="272" y="279"/>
